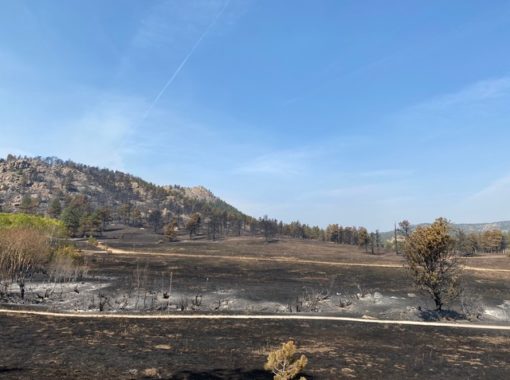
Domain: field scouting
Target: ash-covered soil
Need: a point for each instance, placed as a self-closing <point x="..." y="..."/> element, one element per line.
<point x="69" y="348"/>
<point x="143" y="273"/>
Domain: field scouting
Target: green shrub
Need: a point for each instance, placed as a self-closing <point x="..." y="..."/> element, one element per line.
<point x="92" y="241"/>
<point x="70" y="252"/>
<point x="48" y="225"/>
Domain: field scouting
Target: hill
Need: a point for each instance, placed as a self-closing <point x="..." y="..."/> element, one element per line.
<point x="32" y="184"/>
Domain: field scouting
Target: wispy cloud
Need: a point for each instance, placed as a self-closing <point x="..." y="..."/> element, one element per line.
<point x="386" y="173"/>
<point x="328" y="78"/>
<point x="489" y="204"/>
<point x="283" y="163"/>
<point x="167" y="24"/>
<point x="500" y="188"/>
<point x="482" y="91"/>
<point x="186" y="58"/>
<point x="349" y="191"/>
<point x="452" y="115"/>
<point x="102" y="135"/>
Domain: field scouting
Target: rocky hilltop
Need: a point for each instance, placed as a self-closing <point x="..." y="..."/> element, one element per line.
<point x="36" y="182"/>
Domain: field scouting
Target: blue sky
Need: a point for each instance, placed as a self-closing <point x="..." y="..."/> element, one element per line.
<point x="350" y="112"/>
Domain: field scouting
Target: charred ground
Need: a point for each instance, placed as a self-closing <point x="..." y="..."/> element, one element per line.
<point x="49" y="348"/>
<point x="250" y="276"/>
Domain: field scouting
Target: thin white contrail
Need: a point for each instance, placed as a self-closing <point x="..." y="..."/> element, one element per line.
<point x="186" y="58"/>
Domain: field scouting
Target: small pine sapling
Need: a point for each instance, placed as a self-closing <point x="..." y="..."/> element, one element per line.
<point x="283" y="364"/>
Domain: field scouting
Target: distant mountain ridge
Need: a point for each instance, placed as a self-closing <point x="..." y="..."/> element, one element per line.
<point x="480" y="227"/>
<point x="475" y="227"/>
<point x="46" y="179"/>
<point x="504" y="226"/>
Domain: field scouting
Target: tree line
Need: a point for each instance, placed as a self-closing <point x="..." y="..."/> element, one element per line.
<point x="463" y="243"/>
<point x="211" y="220"/>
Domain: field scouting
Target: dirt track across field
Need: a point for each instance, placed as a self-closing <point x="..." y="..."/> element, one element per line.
<point x="255" y="317"/>
<point x="118" y="251"/>
<point x="46" y="347"/>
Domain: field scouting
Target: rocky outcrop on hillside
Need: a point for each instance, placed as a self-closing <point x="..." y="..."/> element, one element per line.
<point x="44" y="179"/>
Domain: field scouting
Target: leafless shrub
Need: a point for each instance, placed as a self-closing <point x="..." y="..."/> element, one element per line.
<point x="311" y="298"/>
<point x="183" y="303"/>
<point x="220" y="302"/>
<point x="92" y="304"/>
<point x="196" y="302"/>
<point x="122" y="302"/>
<point x="23" y="251"/>
<point x="344" y="302"/>
<point x="167" y="291"/>
<point x="140" y="282"/>
<point x="66" y="266"/>
<point x="362" y="291"/>
<point x="471" y="305"/>
<point x="103" y="301"/>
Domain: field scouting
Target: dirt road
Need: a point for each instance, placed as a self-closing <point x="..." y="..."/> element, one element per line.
<point x="281" y="259"/>
<point x="274" y="317"/>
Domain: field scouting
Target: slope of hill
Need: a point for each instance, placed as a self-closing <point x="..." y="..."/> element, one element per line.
<point x="41" y="180"/>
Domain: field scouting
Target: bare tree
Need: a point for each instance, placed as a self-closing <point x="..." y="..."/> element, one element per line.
<point x="155" y="220"/>
<point x="214" y="226"/>
<point x="395" y="239"/>
<point x="405" y="227"/>
<point x="269" y="228"/>
<point x="140" y="283"/>
<point x="193" y="224"/>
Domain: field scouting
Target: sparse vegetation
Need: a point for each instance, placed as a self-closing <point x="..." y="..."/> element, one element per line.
<point x="313" y="140"/>
<point x="171" y="231"/>
<point x="23" y="251"/>
<point x="87" y="198"/>
<point x="284" y="364"/>
<point x="29" y="245"/>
